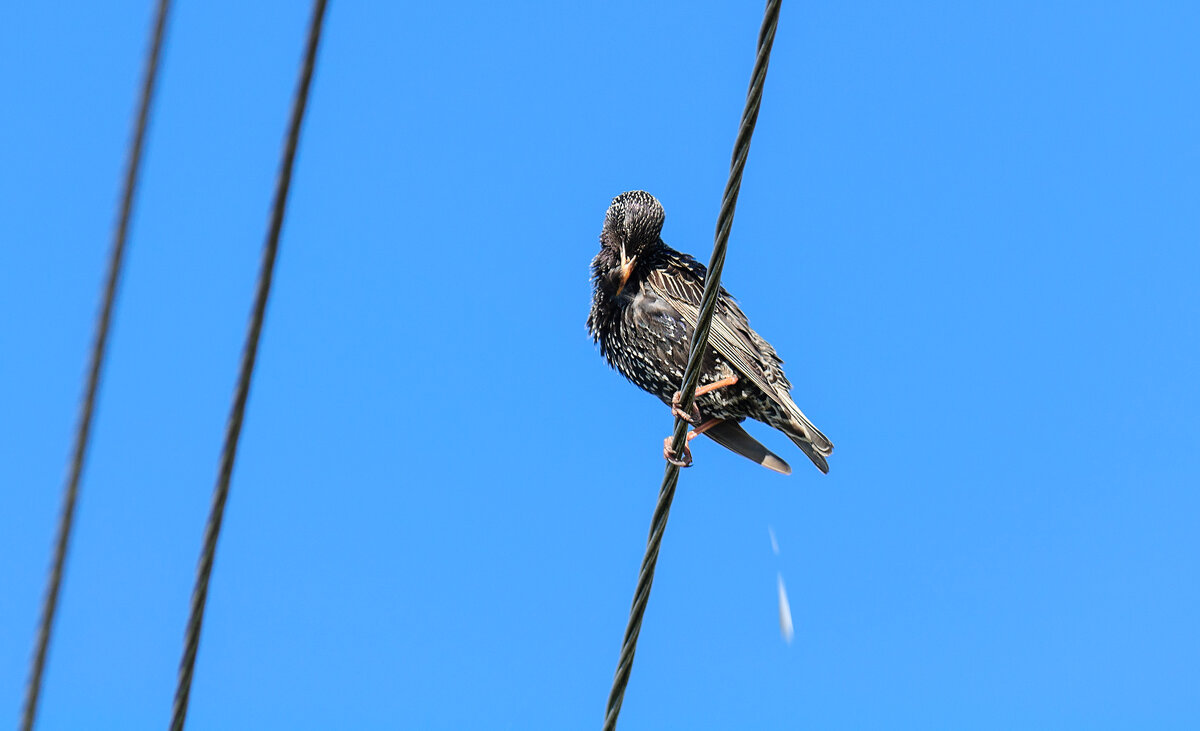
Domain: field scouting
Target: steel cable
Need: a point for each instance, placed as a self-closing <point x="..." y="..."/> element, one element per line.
<point x="712" y="286"/>
<point x="95" y="368"/>
<point x="233" y="427"/>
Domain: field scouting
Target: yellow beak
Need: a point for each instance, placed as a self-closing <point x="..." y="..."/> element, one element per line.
<point x="626" y="269"/>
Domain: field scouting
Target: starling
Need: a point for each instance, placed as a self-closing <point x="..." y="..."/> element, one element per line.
<point x="645" y="304"/>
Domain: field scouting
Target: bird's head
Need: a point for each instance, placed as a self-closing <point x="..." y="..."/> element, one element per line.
<point x="633" y="222"/>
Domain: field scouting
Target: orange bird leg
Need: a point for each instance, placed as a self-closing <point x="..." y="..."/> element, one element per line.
<point x="694" y="417"/>
<point x="715" y="385"/>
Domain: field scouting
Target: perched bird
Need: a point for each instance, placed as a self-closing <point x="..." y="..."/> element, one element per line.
<point x="645" y="305"/>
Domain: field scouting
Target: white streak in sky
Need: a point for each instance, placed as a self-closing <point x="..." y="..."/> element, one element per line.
<point x="785" y="613"/>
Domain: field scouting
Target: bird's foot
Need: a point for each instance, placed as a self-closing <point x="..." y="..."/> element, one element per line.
<point x="670" y="457"/>
<point x="687" y="452"/>
<point x="677" y="409"/>
<point x="694" y="417"/>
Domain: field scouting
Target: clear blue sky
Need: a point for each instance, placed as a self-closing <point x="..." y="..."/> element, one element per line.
<point x="973" y="233"/>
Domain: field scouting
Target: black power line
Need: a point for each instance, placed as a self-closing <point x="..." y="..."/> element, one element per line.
<point x="691" y="378"/>
<point x="233" y="427"/>
<point x="95" y="367"/>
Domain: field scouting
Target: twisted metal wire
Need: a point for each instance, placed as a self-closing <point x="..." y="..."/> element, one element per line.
<point x="99" y="349"/>
<point x="233" y="427"/>
<point x="712" y="285"/>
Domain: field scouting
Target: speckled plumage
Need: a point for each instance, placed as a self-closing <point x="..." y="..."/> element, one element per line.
<point x="645" y="304"/>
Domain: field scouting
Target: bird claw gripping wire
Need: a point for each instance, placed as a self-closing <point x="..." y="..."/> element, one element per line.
<point x="694" y="417"/>
<point x="676" y="409"/>
<point x="687" y="451"/>
<point x="670" y="457"/>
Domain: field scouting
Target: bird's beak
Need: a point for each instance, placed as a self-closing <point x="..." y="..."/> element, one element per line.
<point x="626" y="268"/>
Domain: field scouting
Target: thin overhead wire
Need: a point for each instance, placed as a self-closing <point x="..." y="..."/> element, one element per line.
<point x="712" y="285"/>
<point x="233" y="427"/>
<point x="95" y="368"/>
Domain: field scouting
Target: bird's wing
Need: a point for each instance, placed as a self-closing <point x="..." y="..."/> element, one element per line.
<point x="682" y="284"/>
<point x="730" y="335"/>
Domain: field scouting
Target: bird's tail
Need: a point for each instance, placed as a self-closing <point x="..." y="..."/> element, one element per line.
<point x="732" y="436"/>
<point x="808" y="437"/>
<point x="807" y="447"/>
